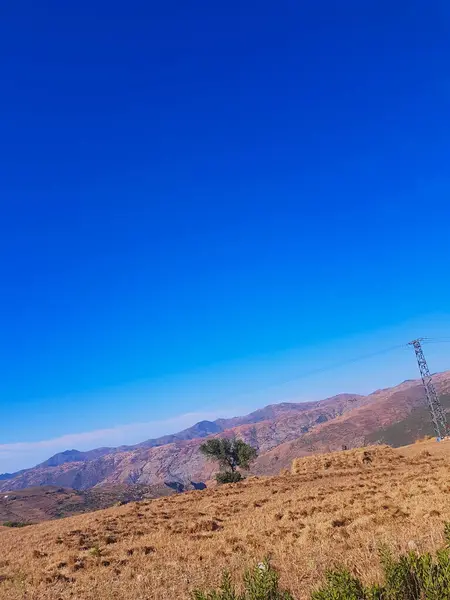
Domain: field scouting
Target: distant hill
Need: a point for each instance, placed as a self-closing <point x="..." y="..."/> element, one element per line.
<point x="280" y="432"/>
<point x="42" y="503"/>
<point x="199" y="430"/>
<point x="415" y="426"/>
<point x="74" y="456"/>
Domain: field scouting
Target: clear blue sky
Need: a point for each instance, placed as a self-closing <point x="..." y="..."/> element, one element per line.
<point x="188" y="187"/>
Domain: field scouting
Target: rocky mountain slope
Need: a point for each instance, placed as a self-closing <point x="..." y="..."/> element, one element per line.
<point x="280" y="432"/>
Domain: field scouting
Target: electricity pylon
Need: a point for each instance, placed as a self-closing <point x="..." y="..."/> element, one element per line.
<point x="438" y="415"/>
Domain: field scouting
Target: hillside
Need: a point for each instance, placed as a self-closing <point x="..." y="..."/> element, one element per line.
<point x="415" y="426"/>
<point x="280" y="433"/>
<point x="371" y="422"/>
<point x="49" y="502"/>
<point x="334" y="509"/>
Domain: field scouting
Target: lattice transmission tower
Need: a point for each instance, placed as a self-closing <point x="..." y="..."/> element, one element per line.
<point x="438" y="415"/>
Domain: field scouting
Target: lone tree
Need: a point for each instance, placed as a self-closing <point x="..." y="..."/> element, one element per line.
<point x="230" y="454"/>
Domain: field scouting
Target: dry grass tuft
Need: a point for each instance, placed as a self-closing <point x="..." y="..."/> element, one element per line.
<point x="336" y="508"/>
<point x="374" y="456"/>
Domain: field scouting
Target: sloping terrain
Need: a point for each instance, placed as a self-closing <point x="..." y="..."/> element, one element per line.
<point x="49" y="502"/>
<point x="365" y="424"/>
<point x="337" y="509"/>
<point x="368" y="457"/>
<point x="279" y="433"/>
<point x="415" y="426"/>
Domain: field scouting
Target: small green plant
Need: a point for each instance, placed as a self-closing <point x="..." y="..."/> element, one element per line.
<point x="260" y="583"/>
<point x="16" y="524"/>
<point x="411" y="576"/>
<point x="340" y="585"/>
<point x="229" y="477"/>
<point x="416" y="576"/>
<point x="447" y="534"/>
<point x="95" y="551"/>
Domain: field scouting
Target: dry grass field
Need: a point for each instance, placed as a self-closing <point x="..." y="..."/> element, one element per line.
<point x="331" y="509"/>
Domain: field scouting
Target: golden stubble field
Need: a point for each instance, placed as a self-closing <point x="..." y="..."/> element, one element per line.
<point x="336" y="509"/>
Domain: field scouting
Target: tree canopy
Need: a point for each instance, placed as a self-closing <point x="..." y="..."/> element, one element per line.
<point x="230" y="453"/>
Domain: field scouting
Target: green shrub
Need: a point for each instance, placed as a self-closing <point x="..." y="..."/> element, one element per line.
<point x="260" y="583"/>
<point x="16" y="524"/>
<point x="341" y="585"/>
<point x="412" y="576"/>
<point x="416" y="577"/>
<point x="229" y="477"/>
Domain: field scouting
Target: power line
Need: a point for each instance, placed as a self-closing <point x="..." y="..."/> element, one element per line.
<point x="343" y="363"/>
<point x="437" y="413"/>
<point x="440" y="340"/>
<point x="355" y="359"/>
<point x="336" y="365"/>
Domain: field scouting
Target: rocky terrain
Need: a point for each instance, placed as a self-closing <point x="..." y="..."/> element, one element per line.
<point x="280" y="432"/>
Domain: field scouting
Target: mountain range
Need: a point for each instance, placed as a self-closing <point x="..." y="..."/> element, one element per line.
<point x="280" y="432"/>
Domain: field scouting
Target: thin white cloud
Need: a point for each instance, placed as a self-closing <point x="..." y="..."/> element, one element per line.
<point x="19" y="455"/>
